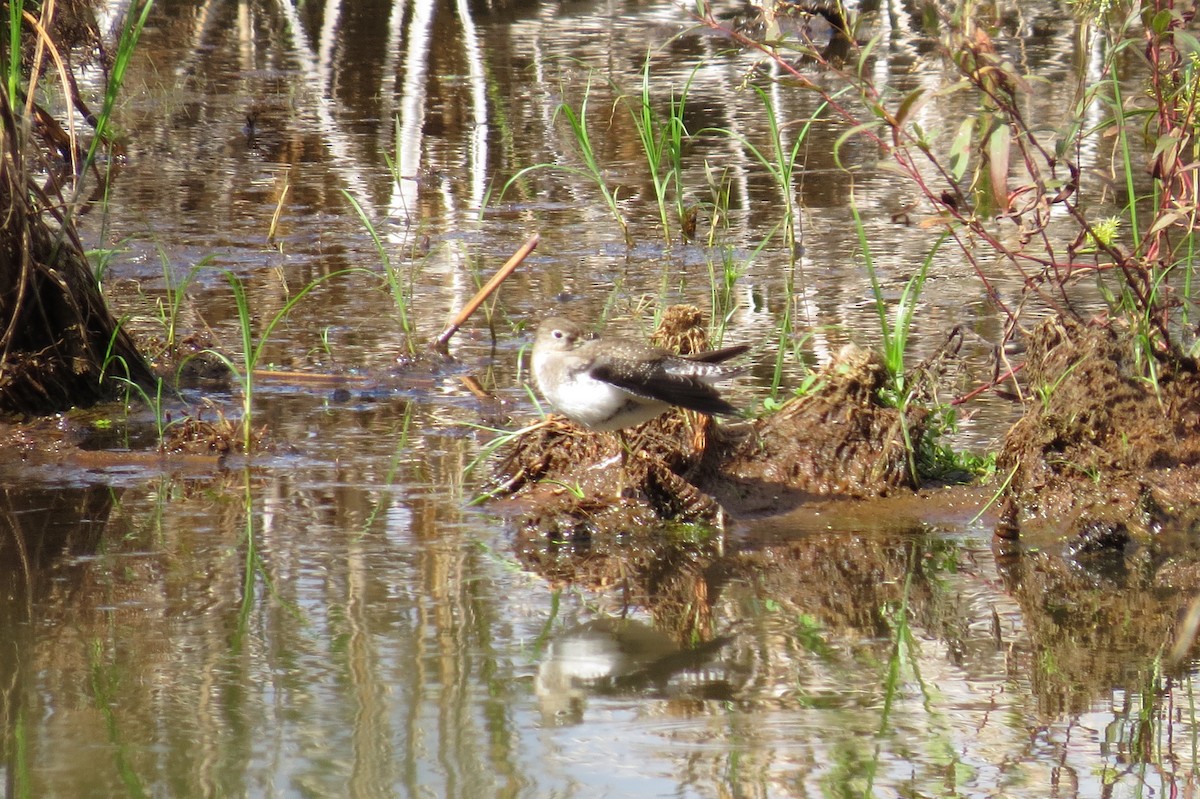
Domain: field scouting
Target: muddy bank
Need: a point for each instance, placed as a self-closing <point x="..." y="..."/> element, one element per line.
<point x="837" y="440"/>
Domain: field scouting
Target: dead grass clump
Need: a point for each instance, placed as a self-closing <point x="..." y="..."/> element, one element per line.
<point x="195" y="435"/>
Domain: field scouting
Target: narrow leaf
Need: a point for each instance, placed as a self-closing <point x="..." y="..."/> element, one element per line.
<point x="908" y="105"/>
<point x="1166" y="220"/>
<point x="960" y="149"/>
<point x="998" y="154"/>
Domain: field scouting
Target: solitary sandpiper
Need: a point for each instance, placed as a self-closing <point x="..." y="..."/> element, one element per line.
<point x="612" y="383"/>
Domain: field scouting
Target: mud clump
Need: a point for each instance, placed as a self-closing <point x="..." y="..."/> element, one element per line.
<point x="579" y="483"/>
<point x="840" y="439"/>
<point x="1101" y="446"/>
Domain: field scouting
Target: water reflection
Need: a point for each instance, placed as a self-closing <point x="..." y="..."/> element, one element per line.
<point x="346" y="630"/>
<point x="625" y="657"/>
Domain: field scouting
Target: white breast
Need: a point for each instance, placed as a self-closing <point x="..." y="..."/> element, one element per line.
<point x="593" y="403"/>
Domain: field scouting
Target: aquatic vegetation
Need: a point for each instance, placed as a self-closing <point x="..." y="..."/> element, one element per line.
<point x="662" y="137"/>
<point x="988" y="146"/>
<point x="723" y="280"/>
<point x="577" y="123"/>
<point x="895" y="333"/>
<point x="132" y="25"/>
<point x="781" y="159"/>
<point x="662" y="142"/>
<point x="247" y="361"/>
<point x="1011" y="193"/>
<point x="928" y="457"/>
<point x="399" y="284"/>
<point x="176" y="293"/>
<point x="153" y="400"/>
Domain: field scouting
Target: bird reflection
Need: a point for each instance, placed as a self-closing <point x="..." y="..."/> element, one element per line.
<point x="613" y="656"/>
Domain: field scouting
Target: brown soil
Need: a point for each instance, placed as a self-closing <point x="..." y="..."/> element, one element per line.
<point x="578" y="483"/>
<point x="837" y="440"/>
<point x="1102" y="453"/>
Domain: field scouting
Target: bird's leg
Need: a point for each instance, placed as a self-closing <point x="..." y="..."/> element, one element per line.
<point x="624" y="478"/>
<point x="701" y="425"/>
<point x="619" y="458"/>
<point x="623" y="443"/>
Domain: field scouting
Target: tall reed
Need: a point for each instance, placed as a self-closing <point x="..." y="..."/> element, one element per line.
<point x="662" y="142"/>
<point x="781" y="159"/>
<point x="132" y="26"/>
<point x="399" y="285"/>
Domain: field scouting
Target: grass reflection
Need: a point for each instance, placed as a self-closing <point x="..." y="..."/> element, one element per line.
<point x="105" y="685"/>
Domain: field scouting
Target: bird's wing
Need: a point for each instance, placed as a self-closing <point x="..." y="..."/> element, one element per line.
<point x="717" y="356"/>
<point x="666" y="382"/>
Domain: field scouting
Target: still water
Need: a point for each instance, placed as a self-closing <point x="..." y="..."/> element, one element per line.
<point x="339" y="618"/>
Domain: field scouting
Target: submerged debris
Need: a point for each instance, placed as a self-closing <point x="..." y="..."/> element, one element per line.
<point x="196" y="435"/>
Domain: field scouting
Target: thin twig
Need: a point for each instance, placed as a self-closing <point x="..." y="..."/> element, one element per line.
<point x="439" y="344"/>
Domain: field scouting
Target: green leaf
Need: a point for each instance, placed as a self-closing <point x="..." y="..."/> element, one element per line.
<point x="1161" y="22"/>
<point x="867" y="50"/>
<point x="908" y="105"/>
<point x="960" y="149"/>
<point x="1168" y="143"/>
<point x="999" y="151"/>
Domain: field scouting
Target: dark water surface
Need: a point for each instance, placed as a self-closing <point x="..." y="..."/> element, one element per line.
<point x="338" y="619"/>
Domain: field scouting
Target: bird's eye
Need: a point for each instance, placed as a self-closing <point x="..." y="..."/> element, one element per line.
<point x="558" y="334"/>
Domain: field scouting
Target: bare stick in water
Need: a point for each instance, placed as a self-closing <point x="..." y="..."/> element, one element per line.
<point x="439" y="344"/>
